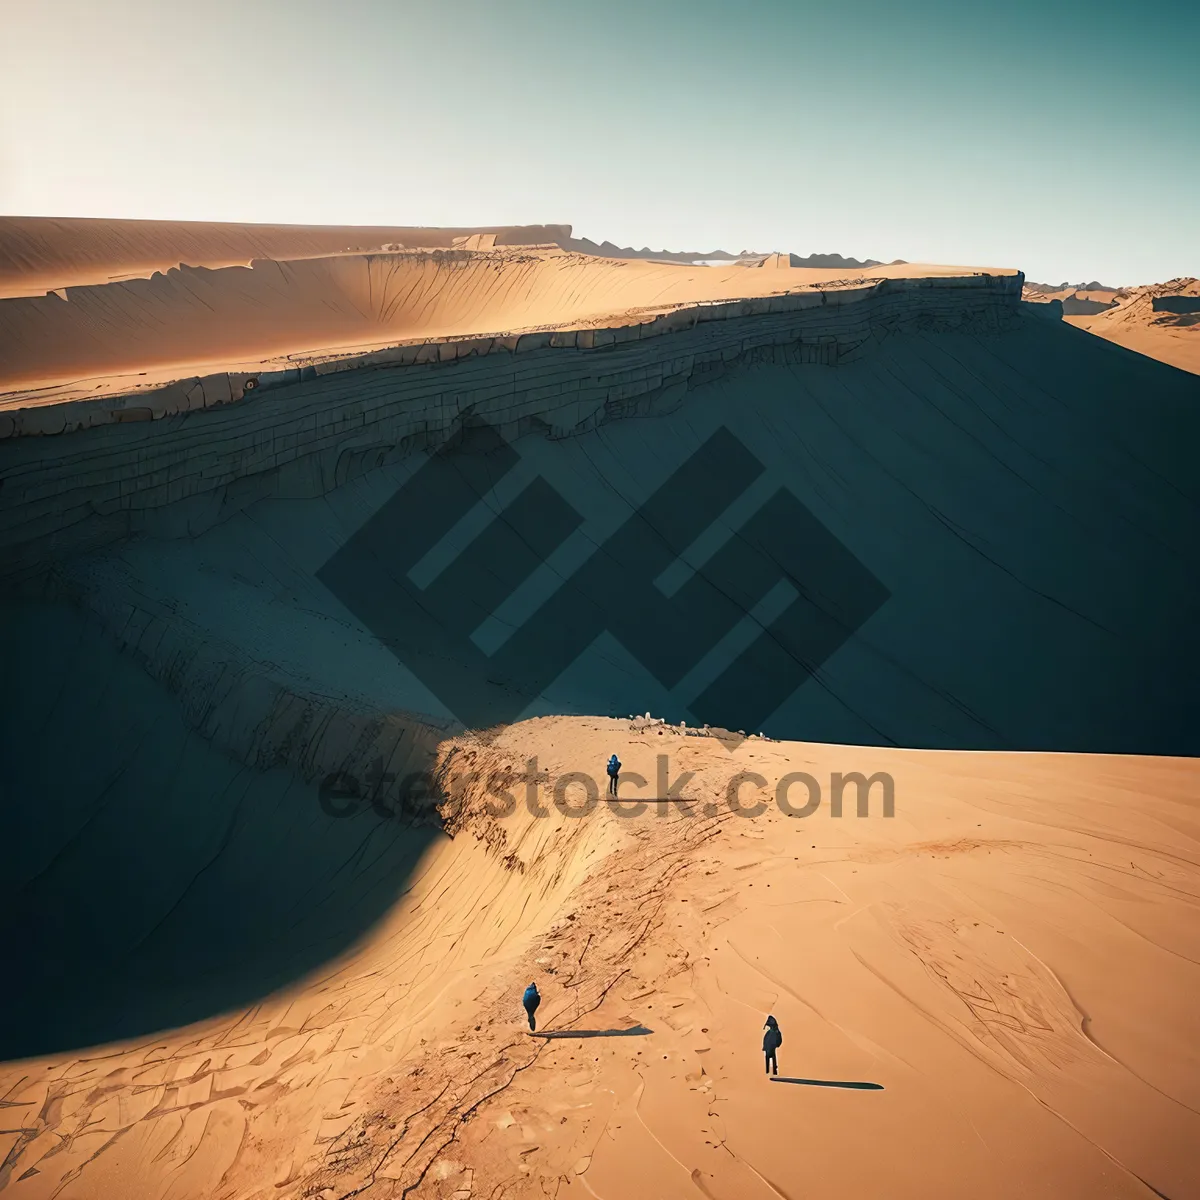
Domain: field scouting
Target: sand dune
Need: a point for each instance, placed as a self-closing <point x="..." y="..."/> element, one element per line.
<point x="1037" y="474"/>
<point x="287" y="814"/>
<point x="40" y="253"/>
<point x="1128" y="317"/>
<point x="1133" y="323"/>
<point x="232" y="984"/>
<point x="1075" y="301"/>
<point x="239" y="316"/>
<point x="959" y="955"/>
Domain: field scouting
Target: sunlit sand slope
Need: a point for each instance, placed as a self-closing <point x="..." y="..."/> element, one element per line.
<point x="1139" y="323"/>
<point x="193" y="317"/>
<point x="37" y="253"/>
<point x="1010" y="961"/>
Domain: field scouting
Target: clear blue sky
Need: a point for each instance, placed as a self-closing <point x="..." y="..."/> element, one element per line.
<point x="1059" y="137"/>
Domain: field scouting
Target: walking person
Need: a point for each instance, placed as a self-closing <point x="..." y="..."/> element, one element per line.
<point x="772" y="1040"/>
<point x="614" y="770"/>
<point x="530" y="1001"/>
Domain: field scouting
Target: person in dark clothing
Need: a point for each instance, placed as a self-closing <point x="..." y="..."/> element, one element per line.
<point x="531" y="1000"/>
<point x="772" y="1040"/>
<point x="614" y="770"/>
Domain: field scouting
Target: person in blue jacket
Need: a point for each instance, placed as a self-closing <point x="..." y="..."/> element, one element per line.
<point x="614" y="770"/>
<point x="772" y="1040"/>
<point x="531" y="1000"/>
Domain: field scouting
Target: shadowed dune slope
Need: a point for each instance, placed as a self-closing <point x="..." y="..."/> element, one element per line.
<point x="958" y="541"/>
<point x="150" y="880"/>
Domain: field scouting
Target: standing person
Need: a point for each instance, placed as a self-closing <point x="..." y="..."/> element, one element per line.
<point x="530" y="1001"/>
<point x="614" y="770"/>
<point x="772" y="1040"/>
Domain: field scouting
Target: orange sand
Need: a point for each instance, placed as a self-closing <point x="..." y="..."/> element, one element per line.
<point x="1014" y="957"/>
<point x="1126" y="316"/>
<point x="102" y="337"/>
<point x="1133" y="323"/>
<point x="39" y="253"/>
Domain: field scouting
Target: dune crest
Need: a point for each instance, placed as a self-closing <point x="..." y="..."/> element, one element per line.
<point x="38" y="254"/>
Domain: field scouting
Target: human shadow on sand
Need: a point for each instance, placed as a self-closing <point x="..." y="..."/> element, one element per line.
<point x="834" y="1083"/>
<point x="634" y="1031"/>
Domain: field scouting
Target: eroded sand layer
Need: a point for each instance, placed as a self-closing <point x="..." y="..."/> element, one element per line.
<point x="1000" y="499"/>
<point x="266" y="314"/>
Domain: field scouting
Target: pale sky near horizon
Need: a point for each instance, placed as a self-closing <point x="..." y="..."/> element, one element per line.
<point x="1059" y="137"/>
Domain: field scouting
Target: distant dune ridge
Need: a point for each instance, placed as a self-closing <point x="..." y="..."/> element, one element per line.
<point x="94" y="303"/>
<point x="1158" y="319"/>
<point x="1056" y="288"/>
<point x="52" y="252"/>
<point x="1077" y="299"/>
<point x="37" y="253"/>
<point x="608" y="249"/>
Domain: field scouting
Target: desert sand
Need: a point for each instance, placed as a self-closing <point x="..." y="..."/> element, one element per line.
<point x="1127" y="317"/>
<point x="40" y="253"/>
<point x="1011" y="959"/>
<point x="66" y="333"/>
<point x="1082" y="300"/>
<point x="1171" y="337"/>
<point x="231" y="975"/>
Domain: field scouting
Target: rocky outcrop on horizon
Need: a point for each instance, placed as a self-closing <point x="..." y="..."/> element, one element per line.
<point x="819" y="261"/>
<point x="744" y="257"/>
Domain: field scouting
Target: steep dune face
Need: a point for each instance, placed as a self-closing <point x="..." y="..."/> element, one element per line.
<point x="247" y="315"/>
<point x="946" y="543"/>
<point x="154" y="880"/>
